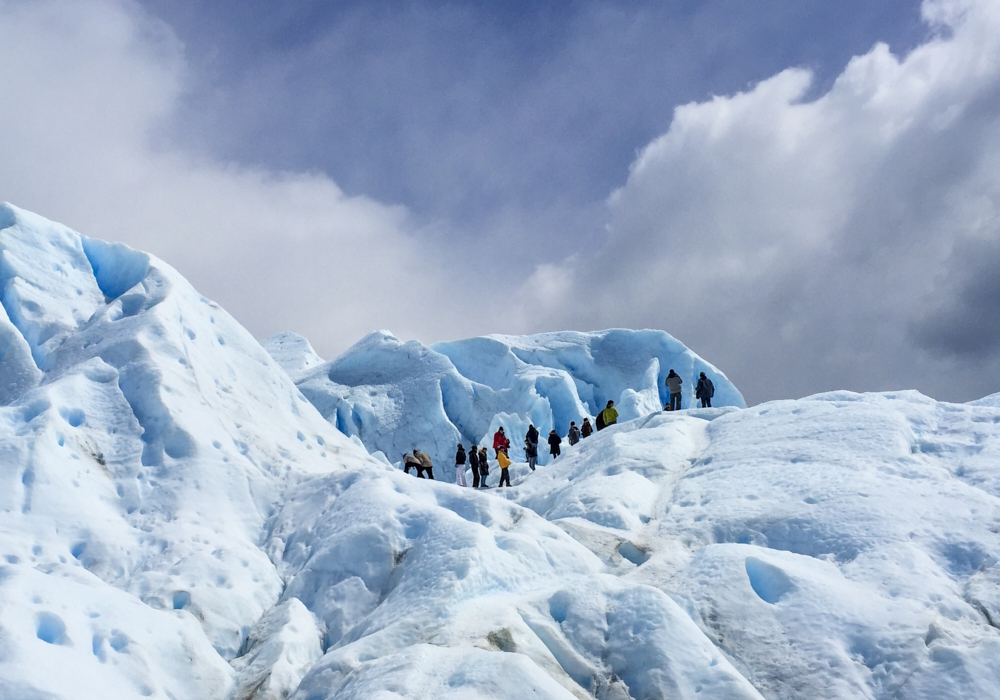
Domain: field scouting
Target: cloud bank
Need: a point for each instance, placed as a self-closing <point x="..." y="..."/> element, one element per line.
<point x="850" y="241"/>
<point x="84" y="89"/>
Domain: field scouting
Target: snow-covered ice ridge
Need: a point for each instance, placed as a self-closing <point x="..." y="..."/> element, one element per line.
<point x="178" y="521"/>
<point x="396" y="396"/>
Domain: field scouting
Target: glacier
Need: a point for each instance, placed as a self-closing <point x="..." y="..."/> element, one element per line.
<point x="187" y="513"/>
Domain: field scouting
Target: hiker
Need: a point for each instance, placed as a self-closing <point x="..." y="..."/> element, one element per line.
<point x="500" y="442"/>
<point x="484" y="467"/>
<point x="474" y="463"/>
<point x="410" y="462"/>
<point x="554" y="442"/>
<point x="609" y="416"/>
<point x="424" y="463"/>
<point x="460" y="466"/>
<point x="705" y="390"/>
<point x="532" y="434"/>
<point x="504" y="463"/>
<point x="586" y="429"/>
<point x="674" y="382"/>
<point x="574" y="433"/>
<point x="531" y="452"/>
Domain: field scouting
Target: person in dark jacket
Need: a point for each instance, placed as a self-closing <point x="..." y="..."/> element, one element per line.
<point x="531" y="452"/>
<point x="705" y="390"/>
<point x="484" y="467"/>
<point x="574" y="433"/>
<point x="460" y="466"/>
<point x="554" y="442"/>
<point x="609" y="416"/>
<point x="474" y="463"/>
<point x="532" y="434"/>
<point x="586" y="429"/>
<point x="674" y="382"/>
<point x="425" y="464"/>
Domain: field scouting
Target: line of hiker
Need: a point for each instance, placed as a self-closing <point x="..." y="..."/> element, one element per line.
<point x="478" y="459"/>
<point x="479" y="463"/>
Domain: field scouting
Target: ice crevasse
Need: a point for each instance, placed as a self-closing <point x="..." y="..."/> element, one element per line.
<point x="179" y="520"/>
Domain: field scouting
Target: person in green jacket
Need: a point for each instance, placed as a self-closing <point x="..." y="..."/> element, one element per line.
<point x="609" y="416"/>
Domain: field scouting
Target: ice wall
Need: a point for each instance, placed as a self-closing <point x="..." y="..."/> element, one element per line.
<point x="396" y="396"/>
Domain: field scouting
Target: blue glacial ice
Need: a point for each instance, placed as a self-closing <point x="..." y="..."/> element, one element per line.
<point x="396" y="395"/>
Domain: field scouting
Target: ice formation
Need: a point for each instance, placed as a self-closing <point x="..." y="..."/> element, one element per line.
<point x="177" y="520"/>
<point x="395" y="396"/>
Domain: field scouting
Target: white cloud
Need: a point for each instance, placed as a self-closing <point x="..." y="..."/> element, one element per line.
<point x="84" y="87"/>
<point x="803" y="245"/>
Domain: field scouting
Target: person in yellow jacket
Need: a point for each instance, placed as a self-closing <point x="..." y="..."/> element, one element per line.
<point x="609" y="416"/>
<point x="504" y="462"/>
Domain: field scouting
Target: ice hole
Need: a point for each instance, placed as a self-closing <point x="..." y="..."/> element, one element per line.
<point x="634" y="554"/>
<point x="73" y="416"/>
<point x="118" y="641"/>
<point x="50" y="629"/>
<point x="557" y="608"/>
<point x="34" y="410"/>
<point x="769" y="582"/>
<point x="181" y="599"/>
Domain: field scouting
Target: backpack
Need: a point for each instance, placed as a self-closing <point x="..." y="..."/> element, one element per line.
<point x="600" y="420"/>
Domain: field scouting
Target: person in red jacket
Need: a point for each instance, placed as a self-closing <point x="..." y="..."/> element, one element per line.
<point x="500" y="441"/>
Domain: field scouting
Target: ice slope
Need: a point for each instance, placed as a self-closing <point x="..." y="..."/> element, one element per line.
<point x="839" y="546"/>
<point x="396" y="396"/>
<point x="429" y="590"/>
<point x="145" y="441"/>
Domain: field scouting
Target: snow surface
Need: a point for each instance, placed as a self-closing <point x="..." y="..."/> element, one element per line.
<point x="178" y="521"/>
<point x="397" y="396"/>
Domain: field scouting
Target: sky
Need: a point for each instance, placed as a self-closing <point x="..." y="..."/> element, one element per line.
<point x="804" y="192"/>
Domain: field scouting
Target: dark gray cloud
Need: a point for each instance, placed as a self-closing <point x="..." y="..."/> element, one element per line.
<point x="498" y="121"/>
<point x="965" y="323"/>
